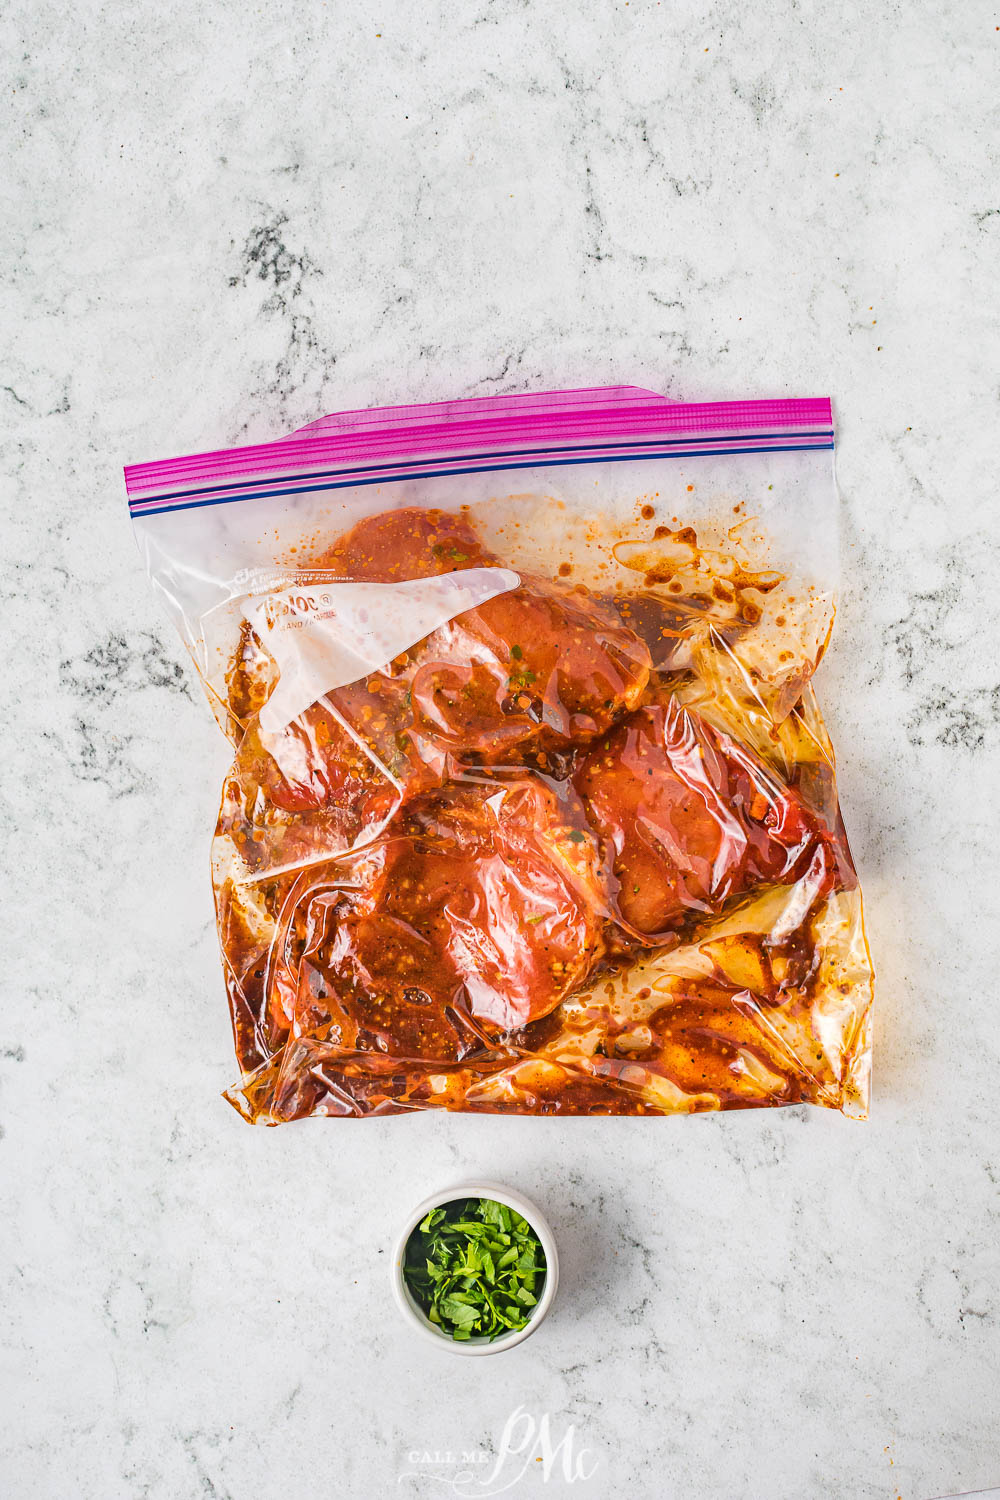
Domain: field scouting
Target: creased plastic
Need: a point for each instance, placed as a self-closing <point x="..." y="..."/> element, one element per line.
<point x="531" y="808"/>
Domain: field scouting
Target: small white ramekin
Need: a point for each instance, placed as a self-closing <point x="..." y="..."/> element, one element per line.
<point x="414" y="1313"/>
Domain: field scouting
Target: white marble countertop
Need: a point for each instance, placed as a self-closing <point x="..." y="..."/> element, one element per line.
<point x="219" y="222"/>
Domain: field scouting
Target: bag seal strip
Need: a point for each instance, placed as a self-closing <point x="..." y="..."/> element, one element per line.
<point x="620" y="427"/>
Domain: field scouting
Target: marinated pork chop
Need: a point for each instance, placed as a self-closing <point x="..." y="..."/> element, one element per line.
<point x="693" y="819"/>
<point x="482" y="908"/>
<point x="527" y="674"/>
<point x="408" y="543"/>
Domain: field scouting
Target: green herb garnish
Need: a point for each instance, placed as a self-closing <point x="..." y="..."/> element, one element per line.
<point x="516" y="653"/>
<point x="475" y="1267"/>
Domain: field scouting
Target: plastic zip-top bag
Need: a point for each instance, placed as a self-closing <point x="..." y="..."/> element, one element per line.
<point x="531" y="809"/>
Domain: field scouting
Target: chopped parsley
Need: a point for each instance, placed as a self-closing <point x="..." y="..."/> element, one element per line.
<point x="475" y="1267"/>
<point x="440" y="550"/>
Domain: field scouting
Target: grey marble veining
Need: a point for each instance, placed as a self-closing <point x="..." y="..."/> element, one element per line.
<point x="219" y="222"/>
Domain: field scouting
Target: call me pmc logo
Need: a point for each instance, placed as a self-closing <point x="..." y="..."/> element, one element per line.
<point x="527" y="1449"/>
